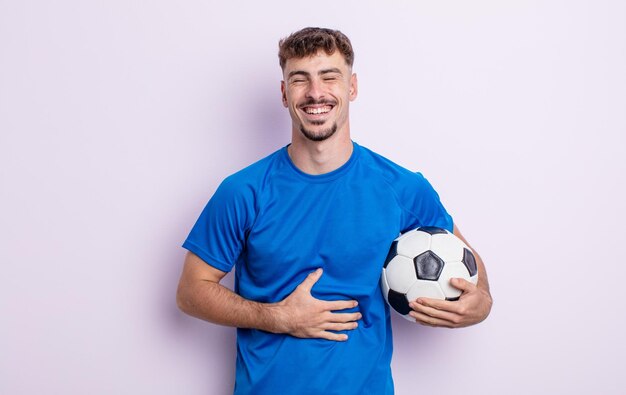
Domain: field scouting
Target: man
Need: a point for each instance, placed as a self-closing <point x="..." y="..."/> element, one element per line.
<point x="308" y="229"/>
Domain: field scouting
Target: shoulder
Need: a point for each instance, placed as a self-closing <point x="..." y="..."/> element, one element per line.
<point x="392" y="173"/>
<point x="413" y="192"/>
<point x="251" y="179"/>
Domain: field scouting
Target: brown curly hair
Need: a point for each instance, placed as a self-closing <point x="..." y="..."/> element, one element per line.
<point x="310" y="40"/>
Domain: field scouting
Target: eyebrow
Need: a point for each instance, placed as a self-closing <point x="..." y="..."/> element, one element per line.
<point x="321" y="72"/>
<point x="327" y="71"/>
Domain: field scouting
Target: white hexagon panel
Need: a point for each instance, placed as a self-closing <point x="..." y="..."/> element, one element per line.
<point x="447" y="248"/>
<point x="400" y="274"/>
<point x="413" y="243"/>
<point x="425" y="289"/>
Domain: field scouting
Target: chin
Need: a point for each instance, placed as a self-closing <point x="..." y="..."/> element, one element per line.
<point x="321" y="135"/>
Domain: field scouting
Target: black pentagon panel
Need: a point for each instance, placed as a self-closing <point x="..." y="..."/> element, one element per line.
<point x="399" y="302"/>
<point x="431" y="230"/>
<point x="469" y="261"/>
<point x="393" y="251"/>
<point x="428" y="266"/>
<point x="453" y="299"/>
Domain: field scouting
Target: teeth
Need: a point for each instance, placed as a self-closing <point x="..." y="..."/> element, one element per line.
<point x="319" y="110"/>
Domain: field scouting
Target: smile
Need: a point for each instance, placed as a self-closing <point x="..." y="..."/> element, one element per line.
<point x="317" y="110"/>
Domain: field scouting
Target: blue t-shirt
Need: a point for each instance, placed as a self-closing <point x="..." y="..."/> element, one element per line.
<point x="276" y="225"/>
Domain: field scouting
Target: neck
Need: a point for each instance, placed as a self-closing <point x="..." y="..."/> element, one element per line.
<point x="320" y="157"/>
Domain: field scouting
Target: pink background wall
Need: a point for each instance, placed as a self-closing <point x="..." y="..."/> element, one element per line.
<point x="118" y="120"/>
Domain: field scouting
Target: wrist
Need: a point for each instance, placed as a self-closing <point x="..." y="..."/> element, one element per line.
<point x="272" y="318"/>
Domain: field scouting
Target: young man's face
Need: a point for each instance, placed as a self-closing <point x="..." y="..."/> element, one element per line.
<point x="317" y="90"/>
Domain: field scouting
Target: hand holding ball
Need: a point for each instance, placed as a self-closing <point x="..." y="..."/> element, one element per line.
<point x="421" y="263"/>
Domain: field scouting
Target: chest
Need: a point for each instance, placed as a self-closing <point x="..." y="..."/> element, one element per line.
<point x="345" y="227"/>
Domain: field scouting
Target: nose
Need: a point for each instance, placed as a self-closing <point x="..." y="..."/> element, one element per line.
<point x="315" y="90"/>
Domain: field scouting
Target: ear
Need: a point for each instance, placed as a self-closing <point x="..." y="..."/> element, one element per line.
<point x="354" y="87"/>
<point x="283" y="93"/>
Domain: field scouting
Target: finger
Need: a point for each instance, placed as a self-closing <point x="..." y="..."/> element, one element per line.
<point x="344" y="317"/>
<point x="427" y="320"/>
<point x="310" y="280"/>
<point x="340" y="337"/>
<point x="340" y="304"/>
<point x="438" y="304"/>
<point x="422" y="319"/>
<point x="336" y="326"/>
<point x="440" y="314"/>
<point x="462" y="284"/>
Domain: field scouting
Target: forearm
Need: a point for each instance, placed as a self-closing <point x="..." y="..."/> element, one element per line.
<point x="211" y="301"/>
<point x="299" y="314"/>
<point x="483" y="281"/>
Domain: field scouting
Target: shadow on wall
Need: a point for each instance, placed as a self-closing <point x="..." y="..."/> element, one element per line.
<point x="264" y="128"/>
<point x="268" y="126"/>
<point x="415" y="336"/>
<point x="204" y="346"/>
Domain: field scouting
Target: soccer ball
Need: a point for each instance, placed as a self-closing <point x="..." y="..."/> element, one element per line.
<point x="421" y="263"/>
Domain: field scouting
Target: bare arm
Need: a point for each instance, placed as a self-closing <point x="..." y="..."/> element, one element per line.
<point x="201" y="295"/>
<point x="472" y="307"/>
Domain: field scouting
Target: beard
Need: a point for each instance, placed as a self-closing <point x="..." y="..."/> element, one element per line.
<point x="318" y="136"/>
<point x="322" y="134"/>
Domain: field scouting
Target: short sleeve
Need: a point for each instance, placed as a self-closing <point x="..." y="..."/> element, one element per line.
<point x="422" y="205"/>
<point x="218" y="236"/>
